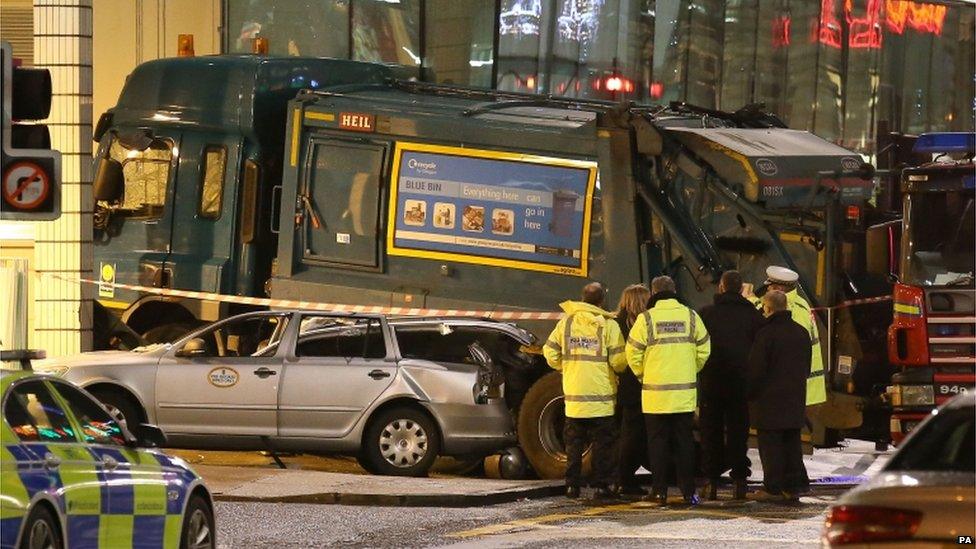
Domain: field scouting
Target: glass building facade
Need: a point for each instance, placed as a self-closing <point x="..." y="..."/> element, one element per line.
<point x="845" y="69"/>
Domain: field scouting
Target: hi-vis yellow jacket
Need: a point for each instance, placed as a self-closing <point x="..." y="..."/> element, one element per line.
<point x="588" y="348"/>
<point x="667" y="347"/>
<point x="802" y="315"/>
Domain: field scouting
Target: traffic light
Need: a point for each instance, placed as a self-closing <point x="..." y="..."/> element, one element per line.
<point x="30" y="178"/>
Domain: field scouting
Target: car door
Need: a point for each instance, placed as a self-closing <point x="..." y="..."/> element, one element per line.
<point x="57" y="462"/>
<point x="137" y="489"/>
<point x="336" y="369"/>
<point x="228" y="385"/>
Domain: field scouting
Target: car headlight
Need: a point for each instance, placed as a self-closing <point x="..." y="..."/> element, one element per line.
<point x="914" y="395"/>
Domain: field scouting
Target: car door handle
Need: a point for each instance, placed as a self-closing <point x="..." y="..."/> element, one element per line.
<point x="264" y="373"/>
<point x="378" y="374"/>
<point x="51" y="461"/>
<point x="109" y="463"/>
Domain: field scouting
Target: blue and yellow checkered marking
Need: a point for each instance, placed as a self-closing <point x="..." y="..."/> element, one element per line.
<point x="138" y="503"/>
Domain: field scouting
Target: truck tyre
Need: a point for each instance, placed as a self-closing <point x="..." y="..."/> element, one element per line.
<point x="402" y="441"/>
<point x="168" y="333"/>
<point x="198" y="525"/>
<point x="41" y="530"/>
<point x="120" y="406"/>
<point x="540" y="427"/>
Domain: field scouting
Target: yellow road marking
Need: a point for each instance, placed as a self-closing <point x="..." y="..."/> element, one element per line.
<point x="590" y="512"/>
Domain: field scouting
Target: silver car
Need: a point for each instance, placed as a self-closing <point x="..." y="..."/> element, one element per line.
<point x="313" y="382"/>
<point x="924" y="497"/>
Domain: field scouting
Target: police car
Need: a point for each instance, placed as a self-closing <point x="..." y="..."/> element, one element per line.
<point x="72" y="476"/>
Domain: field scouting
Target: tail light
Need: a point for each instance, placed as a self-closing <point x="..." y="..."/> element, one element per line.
<point x="908" y="343"/>
<point x="868" y="524"/>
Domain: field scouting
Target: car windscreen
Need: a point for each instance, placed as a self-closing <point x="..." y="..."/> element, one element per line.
<point x="945" y="443"/>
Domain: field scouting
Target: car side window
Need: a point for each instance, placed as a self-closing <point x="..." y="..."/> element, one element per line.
<point x="35" y="416"/>
<point x="97" y="426"/>
<point x="430" y="343"/>
<point x="330" y="336"/>
<point x="248" y="336"/>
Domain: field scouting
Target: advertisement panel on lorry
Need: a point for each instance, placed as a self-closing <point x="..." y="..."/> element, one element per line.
<point x="491" y="208"/>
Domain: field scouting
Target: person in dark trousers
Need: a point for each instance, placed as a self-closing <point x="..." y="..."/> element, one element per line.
<point x="633" y="441"/>
<point x="779" y="363"/>
<point x="666" y="348"/>
<point x="588" y="348"/>
<point x="732" y="321"/>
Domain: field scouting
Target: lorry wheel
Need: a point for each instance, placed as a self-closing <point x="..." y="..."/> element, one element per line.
<point x="540" y="427"/>
<point x="168" y="333"/>
<point x="402" y="442"/>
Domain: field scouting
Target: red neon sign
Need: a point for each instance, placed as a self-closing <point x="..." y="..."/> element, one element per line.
<point x="865" y="29"/>
<point x="781" y="31"/>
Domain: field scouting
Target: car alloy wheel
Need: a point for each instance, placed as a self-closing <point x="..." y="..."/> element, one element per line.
<point x="198" y="535"/>
<point x="403" y="443"/>
<point x="41" y="536"/>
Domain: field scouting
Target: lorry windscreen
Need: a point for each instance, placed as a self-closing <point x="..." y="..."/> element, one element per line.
<point x="938" y="248"/>
<point x="146" y="176"/>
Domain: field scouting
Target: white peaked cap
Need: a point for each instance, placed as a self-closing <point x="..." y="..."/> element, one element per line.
<point x="781" y="275"/>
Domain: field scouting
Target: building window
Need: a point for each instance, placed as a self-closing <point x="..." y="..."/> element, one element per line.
<point x="459" y="41"/>
<point x="386" y="32"/>
<point x="314" y="28"/>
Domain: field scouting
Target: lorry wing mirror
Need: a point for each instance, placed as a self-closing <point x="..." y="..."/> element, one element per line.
<point x="109" y="180"/>
<point x="104" y="123"/>
<point x="193" y="348"/>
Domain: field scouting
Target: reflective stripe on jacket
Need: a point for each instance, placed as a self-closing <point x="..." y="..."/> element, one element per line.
<point x="802" y="315"/>
<point x="666" y="348"/>
<point x="587" y="347"/>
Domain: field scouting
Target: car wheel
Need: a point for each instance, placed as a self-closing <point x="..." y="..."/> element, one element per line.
<point x="41" y="530"/>
<point x="402" y="442"/>
<point x="120" y="406"/>
<point x="540" y="427"/>
<point x="198" y="525"/>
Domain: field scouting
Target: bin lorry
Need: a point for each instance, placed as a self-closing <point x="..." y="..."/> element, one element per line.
<point x="932" y="340"/>
<point x="339" y="182"/>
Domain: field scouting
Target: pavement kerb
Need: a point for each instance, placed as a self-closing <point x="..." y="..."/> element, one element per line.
<point x="403" y="500"/>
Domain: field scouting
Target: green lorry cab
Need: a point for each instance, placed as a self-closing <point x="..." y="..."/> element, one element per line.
<point x="336" y="182"/>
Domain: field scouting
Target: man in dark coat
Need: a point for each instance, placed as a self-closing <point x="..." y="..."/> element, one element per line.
<point x="779" y="363"/>
<point x="732" y="321"/>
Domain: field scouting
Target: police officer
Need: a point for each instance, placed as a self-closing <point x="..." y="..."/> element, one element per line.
<point x="588" y="348"/>
<point x="785" y="280"/>
<point x="666" y="348"/>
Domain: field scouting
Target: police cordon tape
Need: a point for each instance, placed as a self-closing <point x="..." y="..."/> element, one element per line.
<point x="370" y="309"/>
<point x="316" y="306"/>
<point x="855" y="302"/>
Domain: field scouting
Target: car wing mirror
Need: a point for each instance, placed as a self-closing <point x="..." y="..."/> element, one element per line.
<point x="193" y="348"/>
<point x="148" y="435"/>
<point x="109" y="180"/>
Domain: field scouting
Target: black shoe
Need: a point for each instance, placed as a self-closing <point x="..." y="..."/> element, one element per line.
<point x="604" y="492"/>
<point x="659" y="499"/>
<point x="573" y="492"/>
<point x="633" y="491"/>
<point x="740" y="490"/>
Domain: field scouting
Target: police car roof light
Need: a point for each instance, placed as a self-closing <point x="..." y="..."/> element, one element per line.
<point x="932" y="143"/>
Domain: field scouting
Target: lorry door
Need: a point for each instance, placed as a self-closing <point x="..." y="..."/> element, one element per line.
<point x="231" y="388"/>
<point x="134" y="248"/>
<point x="339" y="202"/>
<point x="203" y="213"/>
<point x="337" y="369"/>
